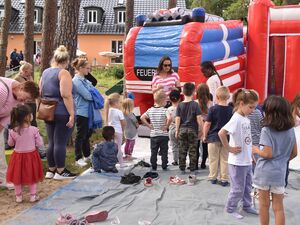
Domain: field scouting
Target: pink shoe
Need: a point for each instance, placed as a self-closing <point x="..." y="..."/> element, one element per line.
<point x="19" y="198"/>
<point x="96" y="216"/>
<point x="34" y="198"/>
<point x="148" y="182"/>
<point x="64" y="219"/>
<point x="176" y="180"/>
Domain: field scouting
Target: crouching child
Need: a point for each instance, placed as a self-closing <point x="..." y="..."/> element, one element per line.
<point x="105" y="154"/>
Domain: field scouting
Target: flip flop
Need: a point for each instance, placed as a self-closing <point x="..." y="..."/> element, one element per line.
<point x="96" y="216"/>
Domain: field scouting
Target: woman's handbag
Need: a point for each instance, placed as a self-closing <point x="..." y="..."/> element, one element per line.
<point x="46" y="109"/>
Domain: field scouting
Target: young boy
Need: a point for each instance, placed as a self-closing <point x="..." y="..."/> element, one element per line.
<point x="218" y="116"/>
<point x="188" y="124"/>
<point x="159" y="135"/>
<point x="105" y="154"/>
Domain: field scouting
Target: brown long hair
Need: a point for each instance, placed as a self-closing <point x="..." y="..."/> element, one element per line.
<point x="18" y="116"/>
<point x="161" y="62"/>
<point x="203" y="96"/>
<point x="278" y="113"/>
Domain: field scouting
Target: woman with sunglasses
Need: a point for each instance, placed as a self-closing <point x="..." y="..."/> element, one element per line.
<point x="165" y="78"/>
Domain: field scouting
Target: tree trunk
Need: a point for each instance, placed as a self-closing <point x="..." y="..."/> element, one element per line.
<point x="172" y="4"/>
<point x="4" y="36"/>
<point x="48" y="32"/>
<point x="129" y="15"/>
<point x="28" y="32"/>
<point x="68" y="27"/>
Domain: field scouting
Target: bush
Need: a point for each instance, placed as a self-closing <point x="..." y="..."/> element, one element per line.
<point x="114" y="71"/>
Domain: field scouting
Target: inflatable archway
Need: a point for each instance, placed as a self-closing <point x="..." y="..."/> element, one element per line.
<point x="273" y="54"/>
<point x="188" y="45"/>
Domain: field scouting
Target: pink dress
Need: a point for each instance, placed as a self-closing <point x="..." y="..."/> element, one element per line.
<point x="25" y="166"/>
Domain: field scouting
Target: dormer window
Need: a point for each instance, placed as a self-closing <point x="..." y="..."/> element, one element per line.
<point x="121" y="17"/>
<point x="36" y="16"/>
<point x="92" y="16"/>
<point x="1" y="13"/>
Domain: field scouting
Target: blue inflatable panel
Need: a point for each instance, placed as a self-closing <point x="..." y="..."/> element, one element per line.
<point x="235" y="33"/>
<point x="154" y="42"/>
<point x="236" y="47"/>
<point x="212" y="35"/>
<point x="212" y="51"/>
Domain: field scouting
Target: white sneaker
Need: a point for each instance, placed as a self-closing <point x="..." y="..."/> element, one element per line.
<point x="49" y="174"/>
<point x="88" y="159"/>
<point x="65" y="174"/>
<point x="236" y="215"/>
<point x="81" y="162"/>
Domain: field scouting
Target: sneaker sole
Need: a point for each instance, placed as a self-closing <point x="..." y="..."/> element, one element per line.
<point x="59" y="177"/>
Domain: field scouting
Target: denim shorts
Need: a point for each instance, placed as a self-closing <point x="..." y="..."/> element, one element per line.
<point x="275" y="190"/>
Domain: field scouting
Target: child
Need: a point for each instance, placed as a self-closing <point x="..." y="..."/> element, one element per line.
<point x="105" y="153"/>
<point x="205" y="102"/>
<point x="218" y="116"/>
<point x="25" y="166"/>
<point x="214" y="81"/>
<point x="159" y="134"/>
<point x="131" y="126"/>
<point x="171" y="114"/>
<point x="188" y="127"/>
<point x="240" y="149"/>
<point x="115" y="118"/>
<point x="277" y="147"/>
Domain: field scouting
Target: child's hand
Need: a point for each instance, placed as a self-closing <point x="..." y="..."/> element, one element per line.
<point x="255" y="149"/>
<point x="235" y="150"/>
<point x="204" y="139"/>
<point x="151" y="127"/>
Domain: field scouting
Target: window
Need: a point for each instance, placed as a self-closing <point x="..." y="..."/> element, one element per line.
<point x="36" y="16"/>
<point x="117" y="47"/>
<point x="37" y="47"/>
<point x="121" y="17"/>
<point x="120" y="2"/>
<point x="1" y="13"/>
<point x="92" y="16"/>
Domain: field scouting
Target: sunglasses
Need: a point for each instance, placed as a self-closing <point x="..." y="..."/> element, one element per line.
<point x="167" y="65"/>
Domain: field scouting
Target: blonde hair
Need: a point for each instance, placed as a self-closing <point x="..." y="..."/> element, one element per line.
<point x="80" y="62"/>
<point x="24" y="66"/>
<point x="245" y="96"/>
<point x="223" y="93"/>
<point x="110" y="100"/>
<point x="159" y="96"/>
<point x="127" y="106"/>
<point x="61" y="56"/>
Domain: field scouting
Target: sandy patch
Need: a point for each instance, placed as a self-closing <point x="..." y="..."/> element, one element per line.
<point x="9" y="208"/>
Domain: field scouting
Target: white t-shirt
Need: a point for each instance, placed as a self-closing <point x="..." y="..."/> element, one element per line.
<point x="114" y="117"/>
<point x="239" y="130"/>
<point x="213" y="83"/>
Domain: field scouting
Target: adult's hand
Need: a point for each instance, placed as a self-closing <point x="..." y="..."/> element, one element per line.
<point x="70" y="123"/>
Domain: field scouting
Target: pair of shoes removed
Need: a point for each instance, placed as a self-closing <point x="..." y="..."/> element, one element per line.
<point x="130" y="178"/>
<point x="66" y="219"/>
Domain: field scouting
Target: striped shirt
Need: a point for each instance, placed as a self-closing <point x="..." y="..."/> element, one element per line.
<point x="158" y="117"/>
<point x="168" y="82"/>
<point x="256" y="125"/>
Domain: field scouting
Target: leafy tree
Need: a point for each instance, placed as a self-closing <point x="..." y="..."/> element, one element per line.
<point x="236" y="10"/>
<point x="28" y="32"/>
<point x="212" y="6"/>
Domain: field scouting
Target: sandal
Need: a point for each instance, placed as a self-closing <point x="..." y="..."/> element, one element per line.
<point x="148" y="182"/>
<point x="96" y="216"/>
<point x="176" y="180"/>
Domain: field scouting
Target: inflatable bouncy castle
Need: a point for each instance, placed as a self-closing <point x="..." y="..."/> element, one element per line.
<point x="273" y="52"/>
<point x="188" y="44"/>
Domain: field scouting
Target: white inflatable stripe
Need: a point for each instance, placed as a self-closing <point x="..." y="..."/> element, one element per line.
<point x="285" y="14"/>
<point x="226" y="61"/>
<point x="280" y="34"/>
<point x="225" y="31"/>
<point x="227" y="49"/>
<point x="229" y="69"/>
<point x="138" y="87"/>
<point x="138" y="82"/>
<point x="140" y="91"/>
<point x="232" y="80"/>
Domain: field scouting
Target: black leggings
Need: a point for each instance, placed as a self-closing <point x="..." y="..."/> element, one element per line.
<point x="82" y="142"/>
<point x="58" y="136"/>
<point x="204" y="154"/>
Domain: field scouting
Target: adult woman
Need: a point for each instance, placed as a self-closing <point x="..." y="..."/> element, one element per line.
<point x="165" y="78"/>
<point x="82" y="98"/>
<point x="11" y="93"/>
<point x="214" y="81"/>
<point x="56" y="84"/>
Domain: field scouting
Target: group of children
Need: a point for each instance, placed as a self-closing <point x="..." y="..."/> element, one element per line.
<point x="229" y="132"/>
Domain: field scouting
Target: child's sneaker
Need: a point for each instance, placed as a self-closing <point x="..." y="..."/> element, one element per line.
<point x="251" y="211"/>
<point x="34" y="198"/>
<point x="236" y="215"/>
<point x="214" y="181"/>
<point x="176" y="180"/>
<point x="175" y="163"/>
<point x="81" y="163"/>
<point x="19" y="198"/>
<point x="224" y="183"/>
<point x="148" y="182"/>
<point x="191" y="180"/>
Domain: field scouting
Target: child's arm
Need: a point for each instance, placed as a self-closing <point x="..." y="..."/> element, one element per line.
<point x="95" y="158"/>
<point x="200" y="126"/>
<point x="206" y="128"/>
<point x="294" y="152"/>
<point x="11" y="141"/>
<point x="266" y="152"/>
<point x="38" y="140"/>
<point x="169" y="119"/>
<point x="123" y="124"/>
<point x="177" y="125"/>
<point x="144" y="119"/>
<point x="223" y="137"/>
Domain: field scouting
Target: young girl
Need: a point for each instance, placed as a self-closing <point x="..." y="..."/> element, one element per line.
<point x="131" y="126"/>
<point x="240" y="152"/>
<point x="115" y="118"/>
<point x="25" y="166"/>
<point x="204" y="101"/>
<point x="171" y="114"/>
<point x="214" y="81"/>
<point x="277" y="147"/>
